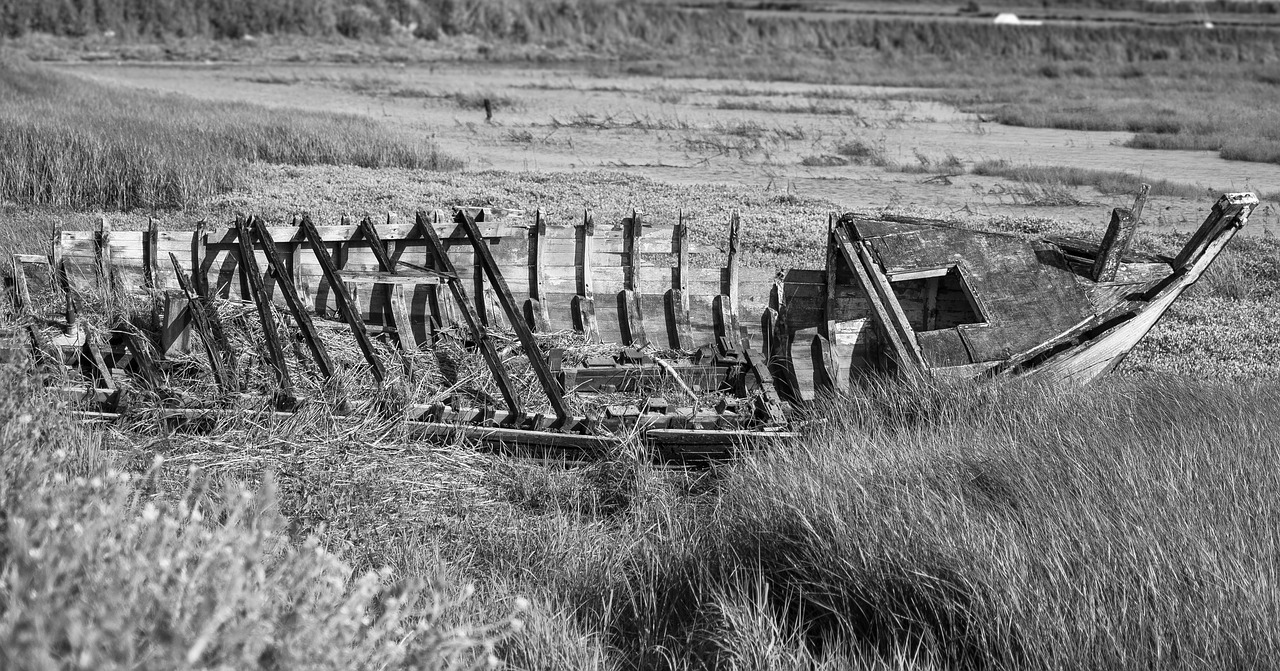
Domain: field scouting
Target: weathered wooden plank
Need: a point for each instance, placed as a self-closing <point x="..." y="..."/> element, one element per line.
<point x="1231" y="210"/>
<point x="1114" y="245"/>
<point x="771" y="403"/>
<point x="510" y="437"/>
<point x="175" y="325"/>
<point x="824" y="370"/>
<point x="888" y="314"/>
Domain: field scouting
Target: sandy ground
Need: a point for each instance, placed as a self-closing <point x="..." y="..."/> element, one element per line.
<point x="703" y="131"/>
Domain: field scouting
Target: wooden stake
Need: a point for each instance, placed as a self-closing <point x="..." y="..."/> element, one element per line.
<point x="1114" y="245"/>
<point x="487" y="350"/>
<point x="681" y="336"/>
<point x="630" y="317"/>
<point x="827" y="327"/>
<point x="175" y="324"/>
<point x="584" y="307"/>
<point x="60" y="279"/>
<point x="346" y="305"/>
<point x="540" y="369"/>
<point x="536" y="308"/>
<point x="199" y="280"/>
<point x="297" y="308"/>
<point x="733" y="280"/>
<point x="106" y="267"/>
<point x="266" y="311"/>
<point x="200" y="316"/>
<point x="824" y="369"/>
<point x="151" y="256"/>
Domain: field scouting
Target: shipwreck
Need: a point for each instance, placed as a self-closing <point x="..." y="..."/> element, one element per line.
<point x="738" y="350"/>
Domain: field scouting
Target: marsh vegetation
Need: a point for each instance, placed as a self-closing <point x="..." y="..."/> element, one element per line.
<point x="1003" y="525"/>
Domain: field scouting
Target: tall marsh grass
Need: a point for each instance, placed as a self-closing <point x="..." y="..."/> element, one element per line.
<point x="1105" y="181"/>
<point x="104" y="569"/>
<point x="999" y="525"/>
<point x="68" y="142"/>
<point x="1006" y="526"/>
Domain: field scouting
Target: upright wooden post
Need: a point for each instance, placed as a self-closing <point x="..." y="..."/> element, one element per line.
<point x="584" y="304"/>
<point x="536" y="309"/>
<point x="827" y="327"/>
<point x="59" y="269"/>
<point x="199" y="280"/>
<point x="824" y="369"/>
<point x="102" y="247"/>
<point x="678" y="301"/>
<point x="732" y="291"/>
<point x="630" y="317"/>
<point x="780" y="362"/>
<point x="1114" y="245"/>
<point x="151" y="256"/>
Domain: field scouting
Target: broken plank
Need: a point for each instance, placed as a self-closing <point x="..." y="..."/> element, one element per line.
<point x="1114" y="245"/>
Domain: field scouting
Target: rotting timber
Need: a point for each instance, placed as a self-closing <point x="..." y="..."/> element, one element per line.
<point x="897" y="296"/>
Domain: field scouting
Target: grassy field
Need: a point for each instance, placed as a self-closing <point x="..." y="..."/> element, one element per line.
<point x="1177" y="88"/>
<point x="1002" y="525"/>
<point x="71" y="143"/>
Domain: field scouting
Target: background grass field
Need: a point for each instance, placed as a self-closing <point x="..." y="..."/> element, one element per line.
<point x="1009" y="525"/>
